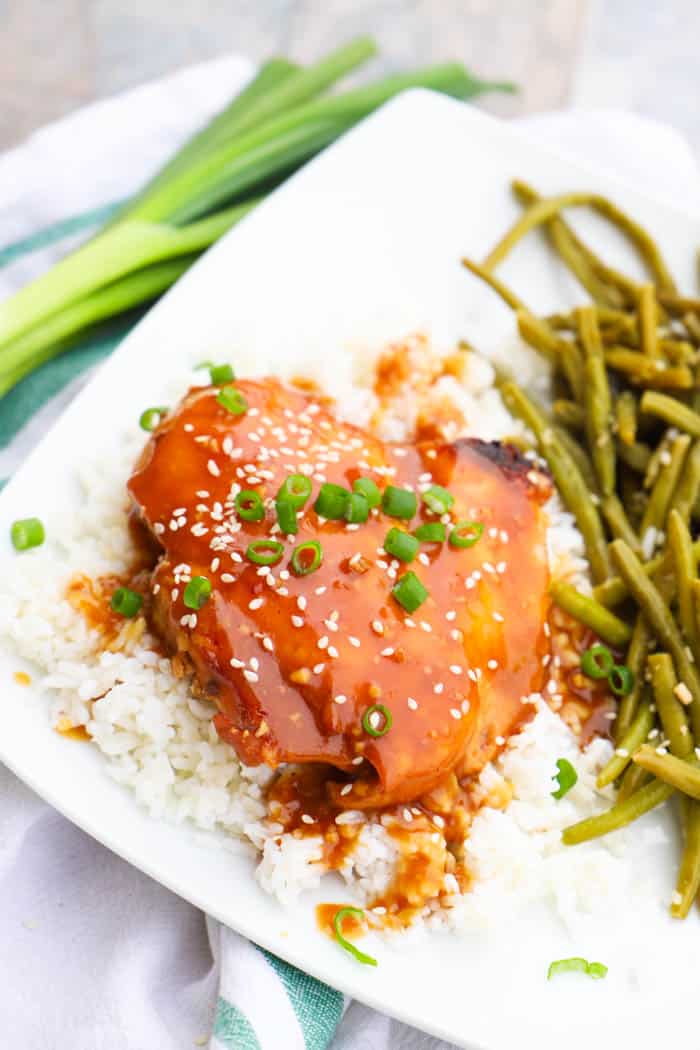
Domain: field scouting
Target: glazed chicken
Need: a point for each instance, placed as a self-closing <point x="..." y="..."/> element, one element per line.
<point x="294" y="662"/>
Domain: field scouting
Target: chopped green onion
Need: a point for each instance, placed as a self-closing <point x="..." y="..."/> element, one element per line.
<point x="332" y="501"/>
<point x="204" y="364"/>
<point x="621" y="680"/>
<point x="566" y="777"/>
<point x="377" y="726"/>
<point x="126" y="602"/>
<point x="296" y="489"/>
<point x="197" y="592"/>
<point x="286" y="517"/>
<point x="401" y="544"/>
<point x="399" y="503"/>
<point x="357" y="510"/>
<point x="431" y="532"/>
<point x="466" y="533"/>
<point x="438" y="499"/>
<point x="232" y="400"/>
<point x="357" y="913"/>
<point x="306" y="558"/>
<point x="220" y="374"/>
<point x="27" y="533"/>
<point x="409" y="592"/>
<point x="249" y="505"/>
<point x="367" y="488"/>
<point x="597" y="662"/>
<point x="264" y="552"/>
<point x="151" y="417"/>
<point x="573" y="965"/>
<point x="597" y="970"/>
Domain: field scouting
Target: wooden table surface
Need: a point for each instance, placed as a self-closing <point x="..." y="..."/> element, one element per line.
<point x="56" y="55"/>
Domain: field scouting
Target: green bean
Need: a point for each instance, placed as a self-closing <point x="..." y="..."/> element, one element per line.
<point x="647" y="371"/>
<point x="636" y="660"/>
<point x="679" y="351"/>
<point x="626" y="417"/>
<point x="671" y="712"/>
<point x="678" y="304"/>
<point x="586" y="610"/>
<point x="671" y="411"/>
<point x="662" y="493"/>
<point x="616" y="518"/>
<point x="597" y="402"/>
<point x="692" y="326"/>
<point x="633" y="779"/>
<point x="678" y="773"/>
<point x="614" y="591"/>
<point x="568" y="414"/>
<point x="509" y="297"/>
<point x="634" y="737"/>
<point x="544" y="209"/>
<point x="659" y="618"/>
<point x="635" y="456"/>
<point x="579" y="456"/>
<point x="648" y="317"/>
<point x="688" y="487"/>
<point x="537" y="334"/>
<point x="686" y="565"/>
<point x="620" y="815"/>
<point x="688" y="882"/>
<point x="572" y="487"/>
<point x="657" y="458"/>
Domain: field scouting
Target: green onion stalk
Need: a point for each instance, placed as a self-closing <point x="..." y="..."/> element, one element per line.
<point x="277" y="123"/>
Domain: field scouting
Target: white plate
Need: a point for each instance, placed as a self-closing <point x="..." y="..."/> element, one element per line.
<point x="364" y="246"/>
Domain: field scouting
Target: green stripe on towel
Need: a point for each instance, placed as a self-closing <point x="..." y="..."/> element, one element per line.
<point x="318" y="1007"/>
<point x="232" y="1028"/>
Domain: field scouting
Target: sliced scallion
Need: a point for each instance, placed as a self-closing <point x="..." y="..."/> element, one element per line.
<point x="566" y="777"/>
<point x="197" y="592"/>
<point x="232" y="400"/>
<point x="573" y="965"/>
<point x="367" y="488"/>
<point x="597" y="662"/>
<point x="438" y="499"/>
<point x="126" y="602"/>
<point x="377" y="720"/>
<point x="221" y="374"/>
<point x="621" y="680"/>
<point x="264" y="552"/>
<point x="296" y="489"/>
<point x="332" y="501"/>
<point x="151" y="417"/>
<point x="357" y="510"/>
<point x="466" y="533"/>
<point x="401" y="545"/>
<point x="249" y="505"/>
<point x="409" y="592"/>
<point x="431" y="532"/>
<point x="27" y="533"/>
<point x="355" y="913"/>
<point x="286" y="517"/>
<point x="306" y="558"/>
<point x="399" y="503"/>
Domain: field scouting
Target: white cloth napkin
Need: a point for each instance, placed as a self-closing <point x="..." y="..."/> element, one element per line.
<point x="96" y="955"/>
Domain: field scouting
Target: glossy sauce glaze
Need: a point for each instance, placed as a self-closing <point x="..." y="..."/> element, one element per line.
<point x="293" y="662"/>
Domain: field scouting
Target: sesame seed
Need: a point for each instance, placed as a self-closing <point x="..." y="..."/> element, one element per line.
<point x="498" y="617"/>
<point x="340" y="699"/>
<point x="226" y="577"/>
<point x="319" y="668"/>
<point x="377" y="626"/>
<point x="355" y="642"/>
<point x="500" y="740"/>
<point x="455" y="668"/>
<point x="297" y="621"/>
<point x="407" y="815"/>
<point x="322" y="643"/>
<point x="346" y="790"/>
<point x="268" y="644"/>
<point x="307" y="819"/>
<point x="301" y="602"/>
<point x="413" y="704"/>
<point x="456" y="713"/>
<point x="492" y="665"/>
<point x="450" y="615"/>
<point x="250" y="676"/>
<point x="389" y="651"/>
<point x="256" y="603"/>
<point x="213" y="468"/>
<point x="333" y="652"/>
<point x="438" y="688"/>
<point x="683" y="694"/>
<point x="358" y="760"/>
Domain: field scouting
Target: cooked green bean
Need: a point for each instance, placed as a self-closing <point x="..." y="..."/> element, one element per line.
<point x="661" y="622"/>
<point x="678" y="351"/>
<point x="620" y="815"/>
<point x="586" y="610"/>
<point x="633" y="779"/>
<point x="635" y="736"/>
<point x="596" y="400"/>
<point x="660" y="454"/>
<point x="686" y="565"/>
<point x="688" y="487"/>
<point x="647" y="371"/>
<point x="692" y="326"/>
<point x="662" y="493"/>
<point x="688" y="882"/>
<point x="648" y="318"/>
<point x="571" y="485"/>
<point x="636" y="660"/>
<point x="509" y="297"/>
<point x="678" y="304"/>
<point x="678" y="773"/>
<point x="671" y="711"/>
<point x="568" y="414"/>
<point x="672" y="411"/>
<point x="635" y="456"/>
<point x="626" y="417"/>
<point x="537" y="334"/>
<point x="613" y="591"/>
<point x="579" y="456"/>
<point x="614" y="513"/>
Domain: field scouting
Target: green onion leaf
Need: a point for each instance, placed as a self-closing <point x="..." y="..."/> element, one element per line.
<point x="566" y="777"/>
<point x="249" y="505"/>
<point x="409" y="592"/>
<point x="377" y="720"/>
<point x="264" y="552"/>
<point x="399" y="503"/>
<point x="296" y="489"/>
<point x="466" y="533"/>
<point x="332" y="501"/>
<point x="431" y="532"/>
<point x="197" y="592"/>
<point x="401" y="544"/>
<point x="621" y="680"/>
<point x="597" y="662"/>
<point x="367" y="488"/>
<point x="357" y="510"/>
<point x="356" y="913"/>
<point x="286" y="517"/>
<point x="597" y="970"/>
<point x="232" y="400"/>
<point x="438" y="499"/>
<point x="126" y="602"/>
<point x="306" y="558"/>
<point x="151" y="417"/>
<point x="220" y="374"/>
<point x="27" y="533"/>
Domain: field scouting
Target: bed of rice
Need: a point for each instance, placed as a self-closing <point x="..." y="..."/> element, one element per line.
<point x="159" y="742"/>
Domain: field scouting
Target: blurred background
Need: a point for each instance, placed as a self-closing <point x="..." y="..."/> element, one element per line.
<point x="642" y="55"/>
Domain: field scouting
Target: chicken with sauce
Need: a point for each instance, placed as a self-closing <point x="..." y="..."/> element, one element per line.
<point x="328" y="666"/>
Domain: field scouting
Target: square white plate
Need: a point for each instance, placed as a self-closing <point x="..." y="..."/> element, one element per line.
<point x="361" y="247"/>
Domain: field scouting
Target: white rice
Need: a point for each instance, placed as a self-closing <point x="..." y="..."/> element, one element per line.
<point x="159" y="741"/>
